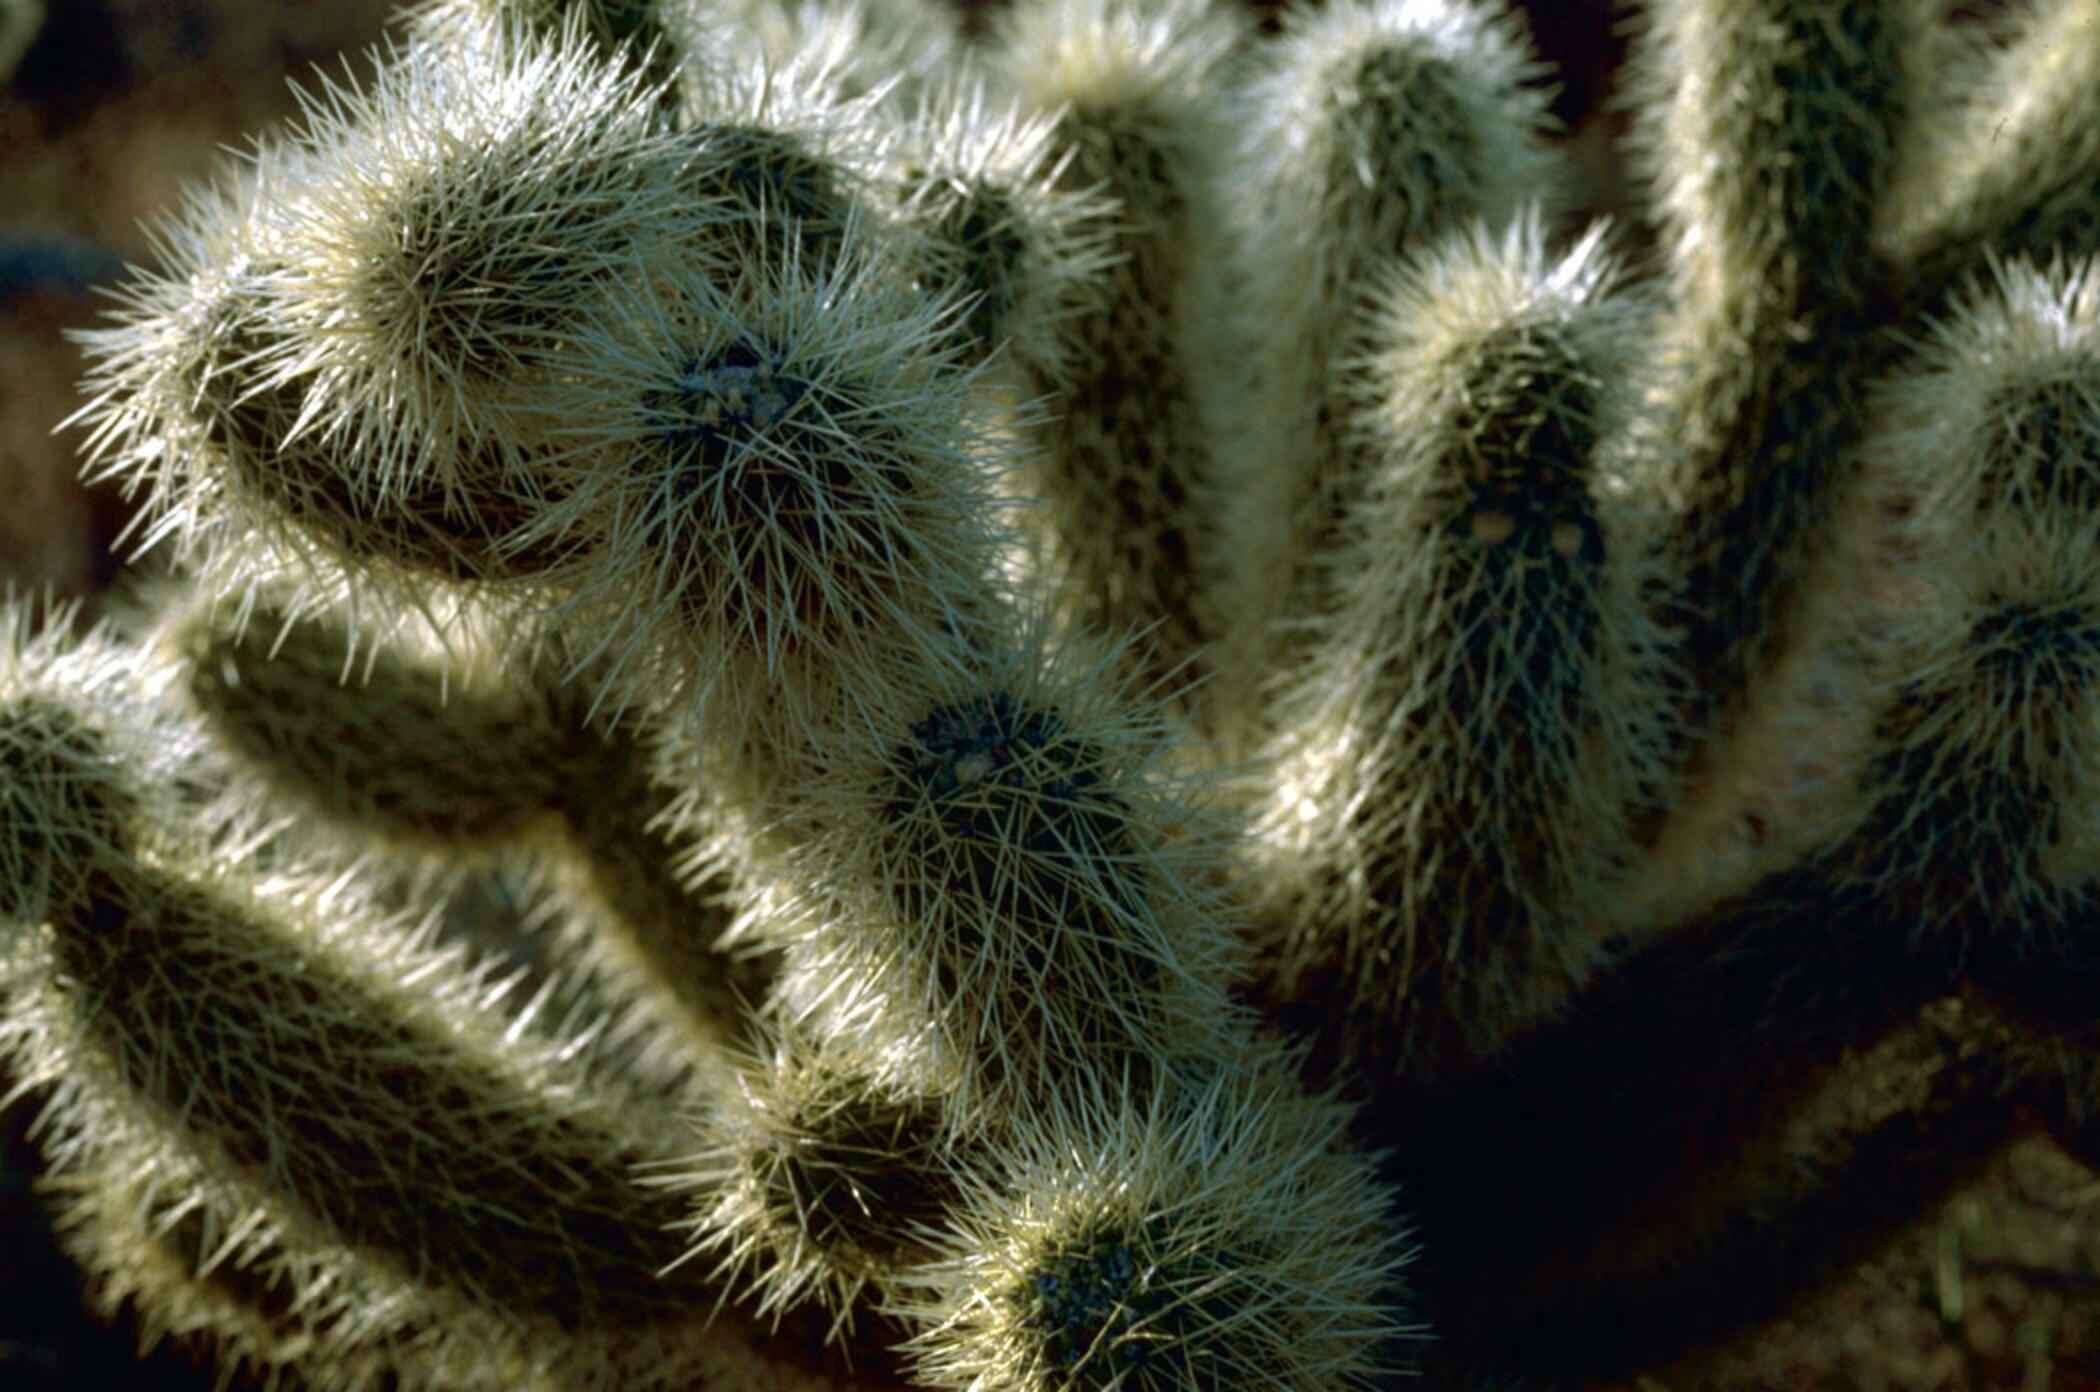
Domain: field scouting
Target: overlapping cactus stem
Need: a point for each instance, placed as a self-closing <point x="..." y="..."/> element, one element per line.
<point x="1458" y="771"/>
<point x="761" y="447"/>
<point x="440" y="751"/>
<point x="352" y="1109"/>
<point x="455" y="751"/>
<point x="1368" y="129"/>
<point x="1213" y="1228"/>
<point x="1126" y="504"/>
<point x="1964" y="859"/>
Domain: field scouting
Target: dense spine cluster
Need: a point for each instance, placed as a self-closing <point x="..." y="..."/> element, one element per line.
<point x="1109" y="651"/>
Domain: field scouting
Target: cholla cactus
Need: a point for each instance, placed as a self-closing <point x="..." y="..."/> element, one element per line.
<point x="994" y="585"/>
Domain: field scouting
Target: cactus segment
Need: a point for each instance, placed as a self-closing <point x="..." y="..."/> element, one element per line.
<point x="86" y="757"/>
<point x="277" y="1039"/>
<point x="405" y="752"/>
<point x="329" y="354"/>
<point x="1376" y="127"/>
<point x="2015" y="176"/>
<point x="455" y="762"/>
<point x="1127" y="504"/>
<point x="887" y="50"/>
<point x="632" y="32"/>
<point x="1000" y="854"/>
<point x="1982" y="760"/>
<point x="1768" y="129"/>
<point x="778" y="481"/>
<point x="984" y="181"/>
<point x="1458" y="768"/>
<point x="823" y="1171"/>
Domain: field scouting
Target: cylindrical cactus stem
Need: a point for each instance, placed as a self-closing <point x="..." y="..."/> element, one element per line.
<point x="787" y="158"/>
<point x="325" y="1072"/>
<point x="1372" y="127"/>
<point x="1998" y="411"/>
<point x="1985" y="760"/>
<point x="1127" y="504"/>
<point x="998" y="864"/>
<point x="191" y="406"/>
<point x="782" y="488"/>
<point x="1459" y="769"/>
<point x="1214" y="1233"/>
<point x="1769" y="129"/>
<point x="653" y="926"/>
<point x="2014" y="168"/>
<point x="273" y="1038"/>
<point x="328" y="359"/>
<point x="459" y="754"/>
<point x="436" y="755"/>
<point x="823" y="1170"/>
